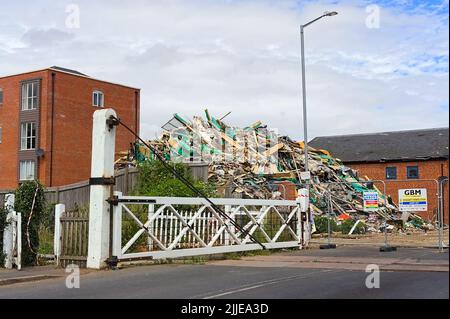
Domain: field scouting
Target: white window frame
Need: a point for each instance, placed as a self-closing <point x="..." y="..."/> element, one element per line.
<point x="95" y="99"/>
<point x="30" y="96"/>
<point x="27" y="170"/>
<point x="27" y="135"/>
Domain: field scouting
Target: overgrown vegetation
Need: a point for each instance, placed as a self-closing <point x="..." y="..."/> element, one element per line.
<point x="156" y="180"/>
<point x="321" y="223"/>
<point x="347" y="225"/>
<point x="25" y="195"/>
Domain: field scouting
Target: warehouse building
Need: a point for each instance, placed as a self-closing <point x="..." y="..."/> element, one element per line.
<point x="402" y="159"/>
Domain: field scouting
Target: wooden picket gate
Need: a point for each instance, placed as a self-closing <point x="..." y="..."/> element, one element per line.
<point x="74" y="238"/>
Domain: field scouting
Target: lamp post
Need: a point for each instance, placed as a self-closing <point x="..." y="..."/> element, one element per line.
<point x="305" y="126"/>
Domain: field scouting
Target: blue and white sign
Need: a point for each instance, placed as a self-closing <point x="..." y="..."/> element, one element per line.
<point x="413" y="200"/>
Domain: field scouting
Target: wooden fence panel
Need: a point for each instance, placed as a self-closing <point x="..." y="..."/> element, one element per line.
<point x="77" y="195"/>
<point x="74" y="238"/>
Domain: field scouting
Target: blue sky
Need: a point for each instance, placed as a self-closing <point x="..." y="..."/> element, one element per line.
<point x="243" y="56"/>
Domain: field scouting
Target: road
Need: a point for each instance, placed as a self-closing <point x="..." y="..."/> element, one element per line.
<point x="307" y="274"/>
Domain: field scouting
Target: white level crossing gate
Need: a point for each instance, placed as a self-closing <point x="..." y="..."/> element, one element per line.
<point x="169" y="227"/>
<point x="129" y="227"/>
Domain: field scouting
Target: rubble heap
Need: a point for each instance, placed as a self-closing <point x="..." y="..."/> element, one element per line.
<point x="251" y="162"/>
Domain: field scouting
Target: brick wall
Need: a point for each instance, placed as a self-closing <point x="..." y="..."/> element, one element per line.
<point x="9" y="121"/>
<point x="432" y="169"/>
<point x="72" y="125"/>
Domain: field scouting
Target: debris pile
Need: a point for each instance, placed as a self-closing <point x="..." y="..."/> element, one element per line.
<point x="251" y="162"/>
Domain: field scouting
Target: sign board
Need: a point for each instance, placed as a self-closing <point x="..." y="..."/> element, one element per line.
<point x="413" y="200"/>
<point x="370" y="201"/>
<point x="305" y="176"/>
<point x="303" y="199"/>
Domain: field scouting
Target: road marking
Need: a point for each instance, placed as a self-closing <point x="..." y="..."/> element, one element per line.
<point x="265" y="283"/>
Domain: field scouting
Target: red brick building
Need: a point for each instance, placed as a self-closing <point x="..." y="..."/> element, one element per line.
<point x="402" y="159"/>
<point x="46" y="124"/>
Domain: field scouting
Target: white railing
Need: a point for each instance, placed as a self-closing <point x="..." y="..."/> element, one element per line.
<point x="169" y="227"/>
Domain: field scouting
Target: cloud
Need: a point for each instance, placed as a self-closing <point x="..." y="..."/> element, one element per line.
<point x="243" y="57"/>
<point x="42" y="38"/>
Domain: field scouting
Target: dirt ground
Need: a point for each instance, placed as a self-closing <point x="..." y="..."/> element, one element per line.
<point x="414" y="238"/>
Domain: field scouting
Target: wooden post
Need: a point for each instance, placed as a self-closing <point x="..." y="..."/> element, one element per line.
<point x="59" y="210"/>
<point x="18" y="259"/>
<point x="102" y="167"/>
<point x="126" y="189"/>
<point x="57" y="194"/>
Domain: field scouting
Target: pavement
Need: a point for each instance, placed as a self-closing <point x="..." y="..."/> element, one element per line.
<point x="298" y="274"/>
<point x="31" y="274"/>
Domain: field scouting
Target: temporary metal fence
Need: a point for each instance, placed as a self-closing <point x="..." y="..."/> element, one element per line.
<point x="439" y="216"/>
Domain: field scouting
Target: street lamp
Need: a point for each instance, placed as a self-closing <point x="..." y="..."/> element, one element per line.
<point x="305" y="128"/>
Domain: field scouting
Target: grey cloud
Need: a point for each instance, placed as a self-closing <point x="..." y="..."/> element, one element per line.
<point x="45" y="37"/>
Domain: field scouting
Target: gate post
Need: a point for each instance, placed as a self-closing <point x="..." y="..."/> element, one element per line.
<point x="102" y="169"/>
<point x="18" y="258"/>
<point x="302" y="216"/>
<point x="8" y="240"/>
<point x="59" y="210"/>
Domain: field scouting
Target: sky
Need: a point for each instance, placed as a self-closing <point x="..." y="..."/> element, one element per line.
<point x="376" y="66"/>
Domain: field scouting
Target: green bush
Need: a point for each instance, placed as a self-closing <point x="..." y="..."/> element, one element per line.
<point x="156" y="180"/>
<point x="48" y="217"/>
<point x="321" y="223"/>
<point x="347" y="225"/>
<point x="24" y="196"/>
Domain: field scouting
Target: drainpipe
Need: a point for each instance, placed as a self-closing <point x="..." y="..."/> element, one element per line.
<point x="51" y="129"/>
<point x="136" y="108"/>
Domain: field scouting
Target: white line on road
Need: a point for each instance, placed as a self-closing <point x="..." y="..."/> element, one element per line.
<point x="266" y="283"/>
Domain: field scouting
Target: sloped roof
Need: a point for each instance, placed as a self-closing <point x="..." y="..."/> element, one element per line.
<point x="387" y="146"/>
<point x="58" y="68"/>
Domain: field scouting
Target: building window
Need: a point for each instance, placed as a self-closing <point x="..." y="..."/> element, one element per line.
<point x="28" y="136"/>
<point x="412" y="172"/>
<point x="1" y="131"/>
<point x="97" y="99"/>
<point x="30" y="92"/>
<point x="391" y="172"/>
<point x="27" y="170"/>
<point x="1" y="96"/>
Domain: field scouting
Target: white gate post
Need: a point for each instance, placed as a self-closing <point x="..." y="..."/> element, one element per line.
<point x="102" y="167"/>
<point x="59" y="210"/>
<point x="8" y="240"/>
<point x="117" y="228"/>
<point x="303" y="208"/>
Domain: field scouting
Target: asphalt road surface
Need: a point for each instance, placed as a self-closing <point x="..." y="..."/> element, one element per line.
<point x="332" y="274"/>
